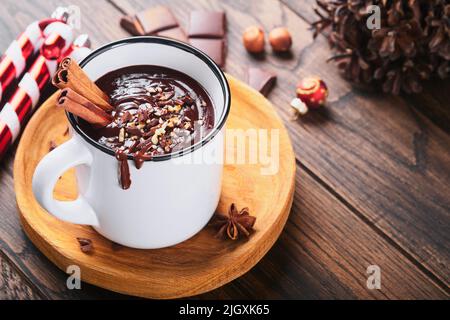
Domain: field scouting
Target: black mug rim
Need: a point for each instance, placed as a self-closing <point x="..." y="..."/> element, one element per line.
<point x="180" y="45"/>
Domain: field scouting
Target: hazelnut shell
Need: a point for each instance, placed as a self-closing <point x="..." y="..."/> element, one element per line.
<point x="253" y="39"/>
<point x="280" y="39"/>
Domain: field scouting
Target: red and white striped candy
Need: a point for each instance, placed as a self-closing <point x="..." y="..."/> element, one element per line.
<point x="17" y="110"/>
<point x="20" y="52"/>
<point x="58" y="39"/>
<point x="80" y="48"/>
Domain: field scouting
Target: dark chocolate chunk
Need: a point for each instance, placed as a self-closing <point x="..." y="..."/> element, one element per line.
<point x="214" y="48"/>
<point x="174" y="33"/>
<point x="130" y="24"/>
<point x="207" y="24"/>
<point x="261" y="80"/>
<point x="156" y="19"/>
<point x="85" y="244"/>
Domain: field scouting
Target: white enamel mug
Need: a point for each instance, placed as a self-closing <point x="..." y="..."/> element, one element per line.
<point x="171" y="197"/>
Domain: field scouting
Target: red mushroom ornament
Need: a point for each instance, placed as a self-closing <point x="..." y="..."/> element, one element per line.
<point x="312" y="91"/>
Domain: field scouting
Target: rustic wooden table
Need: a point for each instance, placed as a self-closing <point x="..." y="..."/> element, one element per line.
<point x="373" y="172"/>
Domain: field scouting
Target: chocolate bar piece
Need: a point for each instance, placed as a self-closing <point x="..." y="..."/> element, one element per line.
<point x="207" y="24"/>
<point x="214" y="48"/>
<point x="130" y="24"/>
<point x="156" y="19"/>
<point x="174" y="33"/>
<point x="261" y="80"/>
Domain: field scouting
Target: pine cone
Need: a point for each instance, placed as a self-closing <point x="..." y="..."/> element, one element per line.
<point x="413" y="43"/>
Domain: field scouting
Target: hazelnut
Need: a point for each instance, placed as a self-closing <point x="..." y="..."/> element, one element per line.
<point x="253" y="39"/>
<point x="155" y="139"/>
<point x="280" y="39"/>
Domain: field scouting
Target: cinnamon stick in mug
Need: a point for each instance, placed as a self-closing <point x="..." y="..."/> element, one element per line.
<point x="82" y="107"/>
<point x="70" y="75"/>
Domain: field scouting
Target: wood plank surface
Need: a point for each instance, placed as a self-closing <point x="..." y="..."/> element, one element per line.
<point x="324" y="252"/>
<point x="394" y="152"/>
<point x="13" y="285"/>
<point x="371" y="186"/>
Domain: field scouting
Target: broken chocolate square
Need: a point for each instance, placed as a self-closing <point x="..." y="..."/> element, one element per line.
<point x="156" y="19"/>
<point x="214" y="48"/>
<point x="261" y="80"/>
<point x="207" y="24"/>
<point x="130" y="24"/>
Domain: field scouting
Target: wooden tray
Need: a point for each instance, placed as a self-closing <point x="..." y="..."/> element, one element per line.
<point x="197" y="265"/>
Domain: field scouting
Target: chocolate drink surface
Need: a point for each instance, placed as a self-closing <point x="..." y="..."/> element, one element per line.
<point x="157" y="111"/>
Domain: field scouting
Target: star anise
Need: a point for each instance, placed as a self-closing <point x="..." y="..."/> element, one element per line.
<point x="235" y="224"/>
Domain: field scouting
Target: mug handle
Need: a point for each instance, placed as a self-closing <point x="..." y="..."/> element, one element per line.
<point x="50" y="168"/>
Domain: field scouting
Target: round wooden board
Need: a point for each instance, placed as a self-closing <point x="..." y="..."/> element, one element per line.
<point x="197" y="265"/>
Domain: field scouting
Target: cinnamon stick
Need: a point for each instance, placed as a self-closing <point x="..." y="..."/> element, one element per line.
<point x="70" y="75"/>
<point x="82" y="107"/>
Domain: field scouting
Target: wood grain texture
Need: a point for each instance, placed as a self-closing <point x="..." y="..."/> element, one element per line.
<point x="323" y="253"/>
<point x="395" y="152"/>
<point x="327" y="144"/>
<point x="13" y="285"/>
<point x="341" y="247"/>
<point x="197" y="265"/>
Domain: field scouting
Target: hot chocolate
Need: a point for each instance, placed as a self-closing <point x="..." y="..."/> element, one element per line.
<point x="156" y="111"/>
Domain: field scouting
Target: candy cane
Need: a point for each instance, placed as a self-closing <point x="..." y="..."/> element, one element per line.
<point x="80" y="48"/>
<point x="17" y="110"/>
<point x="20" y="52"/>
